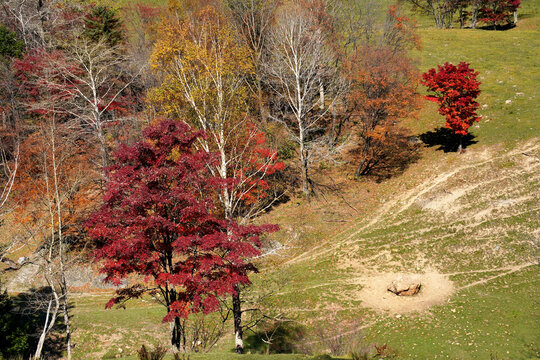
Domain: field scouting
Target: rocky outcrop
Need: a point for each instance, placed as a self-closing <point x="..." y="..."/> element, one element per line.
<point x="405" y="286"/>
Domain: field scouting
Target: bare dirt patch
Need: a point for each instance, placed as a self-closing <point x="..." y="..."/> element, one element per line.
<point x="436" y="289"/>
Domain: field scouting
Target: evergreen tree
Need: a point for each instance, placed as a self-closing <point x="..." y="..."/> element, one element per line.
<point x="9" y="45"/>
<point x="101" y="23"/>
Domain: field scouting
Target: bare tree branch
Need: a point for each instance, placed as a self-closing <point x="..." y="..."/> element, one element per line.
<point x="304" y="80"/>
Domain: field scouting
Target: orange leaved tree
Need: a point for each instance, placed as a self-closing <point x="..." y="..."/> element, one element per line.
<point x="383" y="81"/>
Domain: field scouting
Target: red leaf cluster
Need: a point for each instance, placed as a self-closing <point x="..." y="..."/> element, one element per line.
<point x="255" y="165"/>
<point x="42" y="81"/>
<point x="159" y="221"/>
<point x="455" y="89"/>
<point x="51" y="81"/>
<point x="498" y="11"/>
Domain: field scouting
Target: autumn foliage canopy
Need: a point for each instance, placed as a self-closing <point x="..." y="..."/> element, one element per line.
<point x="498" y="11"/>
<point x="159" y="221"/>
<point x="455" y="89"/>
<point x="383" y="81"/>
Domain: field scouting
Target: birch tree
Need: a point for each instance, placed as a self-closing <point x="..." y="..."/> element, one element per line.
<point x="28" y="18"/>
<point x="9" y="163"/>
<point x="204" y="69"/>
<point x="40" y="23"/>
<point x="303" y="83"/>
<point x="99" y="83"/>
<point x="55" y="173"/>
<point x="55" y="192"/>
<point x="253" y="18"/>
<point x="55" y="185"/>
<point x="89" y="81"/>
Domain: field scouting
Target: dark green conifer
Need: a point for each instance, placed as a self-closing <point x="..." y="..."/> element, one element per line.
<point x="102" y="24"/>
<point x="9" y="45"/>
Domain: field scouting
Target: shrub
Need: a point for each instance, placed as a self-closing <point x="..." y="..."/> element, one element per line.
<point x="454" y="89"/>
<point x="12" y="329"/>
<point x="158" y="353"/>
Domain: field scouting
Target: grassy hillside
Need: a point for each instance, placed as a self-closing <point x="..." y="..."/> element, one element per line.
<point x="464" y="224"/>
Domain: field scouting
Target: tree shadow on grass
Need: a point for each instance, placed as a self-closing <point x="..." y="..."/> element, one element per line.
<point x="275" y="338"/>
<point x="504" y="27"/>
<point x="286" y="337"/>
<point x="446" y="140"/>
<point x="396" y="165"/>
<point x="390" y="158"/>
<point x="29" y="311"/>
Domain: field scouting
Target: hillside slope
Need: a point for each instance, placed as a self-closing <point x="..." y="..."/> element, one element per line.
<point x="466" y="225"/>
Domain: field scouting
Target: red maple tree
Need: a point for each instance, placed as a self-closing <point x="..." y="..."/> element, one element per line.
<point x="159" y="221"/>
<point x="455" y="89"/>
<point x="42" y="84"/>
<point x="498" y="12"/>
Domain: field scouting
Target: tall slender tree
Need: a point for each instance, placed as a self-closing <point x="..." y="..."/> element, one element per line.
<point x="204" y="68"/>
<point x="304" y="83"/>
<point x="9" y="164"/>
<point x="383" y="82"/>
<point x="54" y="193"/>
<point x="254" y="19"/>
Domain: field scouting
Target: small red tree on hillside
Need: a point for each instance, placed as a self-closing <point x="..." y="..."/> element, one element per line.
<point x="499" y="12"/>
<point x="455" y="89"/>
<point x="159" y="221"/>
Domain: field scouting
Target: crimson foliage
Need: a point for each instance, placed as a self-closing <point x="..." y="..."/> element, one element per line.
<point x="159" y="221"/>
<point x="455" y="89"/>
<point x="498" y="11"/>
<point x="41" y="81"/>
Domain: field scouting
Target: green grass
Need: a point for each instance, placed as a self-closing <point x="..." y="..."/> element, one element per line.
<point x="499" y="320"/>
<point x="509" y="70"/>
<point x="99" y="331"/>
<point x="231" y="356"/>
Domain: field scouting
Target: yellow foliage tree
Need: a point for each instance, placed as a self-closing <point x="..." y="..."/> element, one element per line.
<point x="203" y="69"/>
<point x="203" y="66"/>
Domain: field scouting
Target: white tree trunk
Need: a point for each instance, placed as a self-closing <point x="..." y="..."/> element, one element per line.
<point x="50" y="320"/>
<point x="238" y="342"/>
<point x="41" y="341"/>
<point x="68" y="330"/>
<point x="304" y="166"/>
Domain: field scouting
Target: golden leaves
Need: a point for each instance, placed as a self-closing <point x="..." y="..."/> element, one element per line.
<point x="203" y="66"/>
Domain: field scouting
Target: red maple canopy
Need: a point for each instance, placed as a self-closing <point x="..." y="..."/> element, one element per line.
<point x="158" y="220"/>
